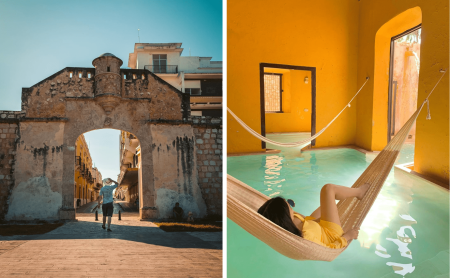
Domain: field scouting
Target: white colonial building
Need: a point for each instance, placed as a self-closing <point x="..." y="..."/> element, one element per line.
<point x="198" y="76"/>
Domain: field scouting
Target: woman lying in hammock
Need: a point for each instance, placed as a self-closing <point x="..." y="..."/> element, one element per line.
<point x="323" y="226"/>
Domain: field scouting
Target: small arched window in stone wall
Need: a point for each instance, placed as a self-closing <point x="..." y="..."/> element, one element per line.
<point x="80" y="75"/>
<point x="89" y="75"/>
<point x="134" y="76"/>
<point x="70" y="74"/>
<point x="143" y="76"/>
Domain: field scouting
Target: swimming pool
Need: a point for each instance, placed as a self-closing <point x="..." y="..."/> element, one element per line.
<point x="406" y="233"/>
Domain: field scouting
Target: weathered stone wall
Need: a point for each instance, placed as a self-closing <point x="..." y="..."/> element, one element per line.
<point x="9" y="134"/>
<point x="175" y="170"/>
<point x="208" y="134"/>
<point x="47" y="98"/>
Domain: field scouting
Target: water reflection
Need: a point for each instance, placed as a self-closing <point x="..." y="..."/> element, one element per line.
<point x="273" y="179"/>
<point x="389" y="224"/>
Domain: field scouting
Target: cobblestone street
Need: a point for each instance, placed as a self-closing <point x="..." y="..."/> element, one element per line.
<point x="133" y="249"/>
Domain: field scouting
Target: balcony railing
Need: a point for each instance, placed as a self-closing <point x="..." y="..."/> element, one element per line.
<point x="162" y="69"/>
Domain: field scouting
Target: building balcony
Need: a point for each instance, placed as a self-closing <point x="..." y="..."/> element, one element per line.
<point x="170" y="69"/>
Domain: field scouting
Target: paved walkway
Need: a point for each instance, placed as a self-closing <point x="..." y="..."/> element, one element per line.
<point x="133" y="249"/>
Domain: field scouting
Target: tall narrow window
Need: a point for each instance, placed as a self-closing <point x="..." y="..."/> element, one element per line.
<point x="108" y="69"/>
<point x="272" y="92"/>
<point x="159" y="63"/>
<point x="404" y="80"/>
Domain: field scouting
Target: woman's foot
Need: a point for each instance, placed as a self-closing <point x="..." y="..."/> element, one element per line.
<point x="109" y="230"/>
<point x="363" y="189"/>
<point x="103" y="226"/>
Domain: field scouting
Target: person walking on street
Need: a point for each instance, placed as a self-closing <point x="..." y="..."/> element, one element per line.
<point x="106" y="193"/>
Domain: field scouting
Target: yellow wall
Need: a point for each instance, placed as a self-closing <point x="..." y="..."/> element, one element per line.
<point x="296" y="97"/>
<point x="380" y="20"/>
<point x="321" y="34"/>
<point x="80" y="181"/>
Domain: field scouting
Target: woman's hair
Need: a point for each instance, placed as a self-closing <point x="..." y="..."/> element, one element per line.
<point x="277" y="211"/>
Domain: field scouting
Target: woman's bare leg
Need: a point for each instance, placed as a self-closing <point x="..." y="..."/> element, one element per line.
<point x="316" y="214"/>
<point x="332" y="192"/>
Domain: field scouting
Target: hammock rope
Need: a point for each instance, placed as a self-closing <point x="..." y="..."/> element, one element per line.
<point x="244" y="201"/>
<point x="302" y="143"/>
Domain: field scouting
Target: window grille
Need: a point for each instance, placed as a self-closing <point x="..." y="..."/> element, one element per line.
<point x="272" y="92"/>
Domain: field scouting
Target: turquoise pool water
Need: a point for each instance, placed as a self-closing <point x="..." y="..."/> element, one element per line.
<point x="406" y="233"/>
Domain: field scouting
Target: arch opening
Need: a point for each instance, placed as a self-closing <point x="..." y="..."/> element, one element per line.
<point x="401" y="23"/>
<point x="107" y="153"/>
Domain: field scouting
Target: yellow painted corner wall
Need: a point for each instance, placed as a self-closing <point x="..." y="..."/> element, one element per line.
<point x="296" y="97"/>
<point x="82" y="150"/>
<point x="321" y="34"/>
<point x="380" y="20"/>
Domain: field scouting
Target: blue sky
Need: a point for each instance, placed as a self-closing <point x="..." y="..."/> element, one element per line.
<point x="39" y="38"/>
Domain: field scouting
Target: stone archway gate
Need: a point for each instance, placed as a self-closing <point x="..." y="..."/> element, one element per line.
<point x="181" y="156"/>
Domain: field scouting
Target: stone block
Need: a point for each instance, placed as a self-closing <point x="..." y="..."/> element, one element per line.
<point x="204" y="169"/>
<point x="205" y="162"/>
<point x="205" y="180"/>
<point x="212" y="163"/>
<point x="3" y="136"/>
<point x="208" y="175"/>
<point x="219" y="141"/>
<point x="199" y="151"/>
<point x="214" y="146"/>
<point x="208" y="130"/>
<point x="5" y="130"/>
<point x="214" y="130"/>
<point x="216" y="151"/>
<point x="148" y="213"/>
<point x="211" y="168"/>
<point x="206" y="136"/>
<point x="199" y="141"/>
<point x="213" y="135"/>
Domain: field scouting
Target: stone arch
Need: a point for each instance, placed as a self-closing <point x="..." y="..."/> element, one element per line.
<point x="397" y="25"/>
<point x="73" y="101"/>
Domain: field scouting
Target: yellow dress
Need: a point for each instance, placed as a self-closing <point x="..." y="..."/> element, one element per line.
<point x="325" y="233"/>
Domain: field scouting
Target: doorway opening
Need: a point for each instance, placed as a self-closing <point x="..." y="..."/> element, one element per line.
<point x="101" y="154"/>
<point x="404" y="71"/>
<point x="287" y="100"/>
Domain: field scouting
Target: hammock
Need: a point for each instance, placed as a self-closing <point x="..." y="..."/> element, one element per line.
<point x="302" y="143"/>
<point x="244" y="201"/>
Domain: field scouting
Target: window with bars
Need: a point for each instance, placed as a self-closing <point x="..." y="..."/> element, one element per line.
<point x="160" y="63"/>
<point x="272" y="92"/>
